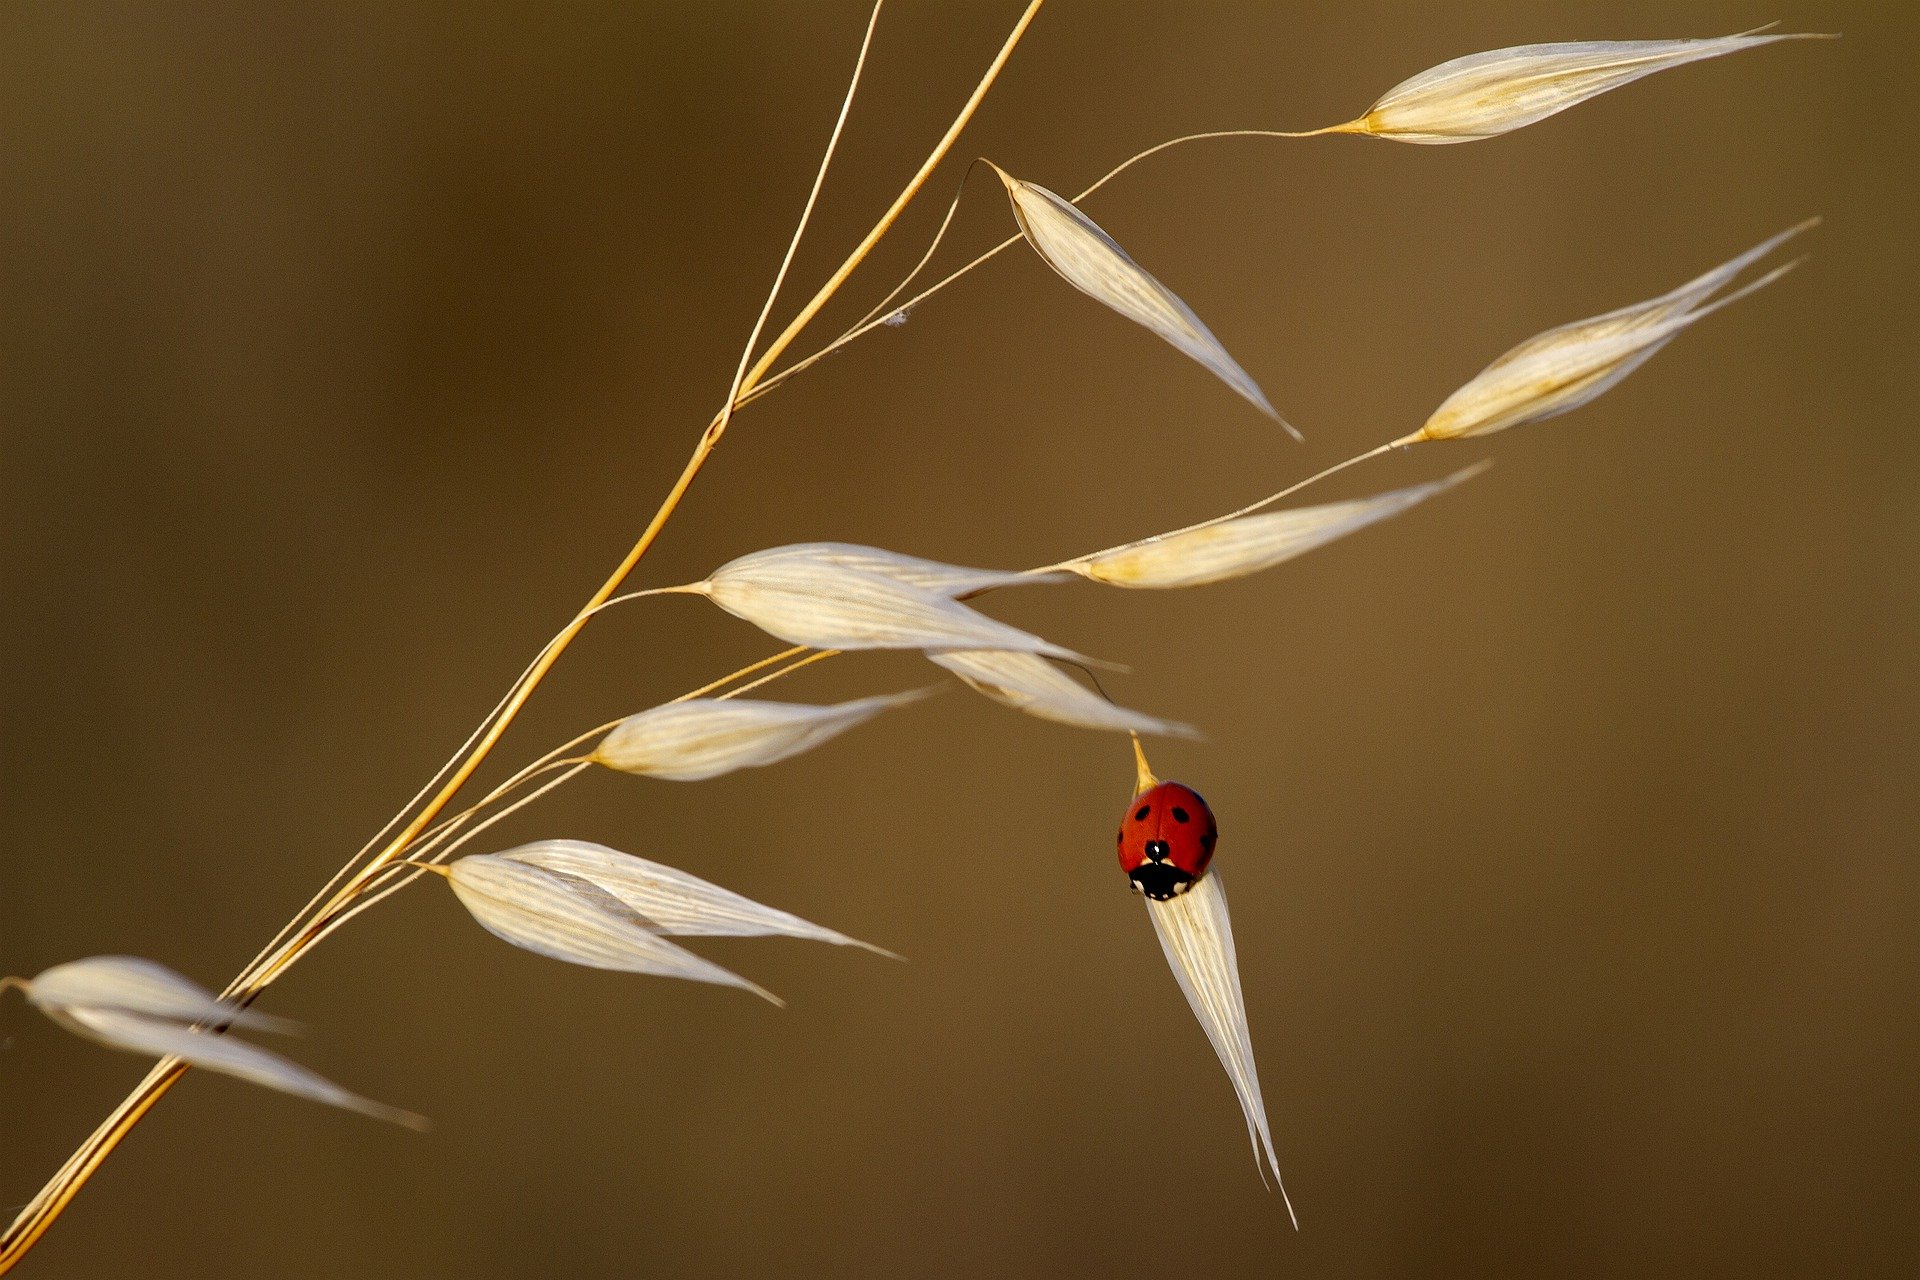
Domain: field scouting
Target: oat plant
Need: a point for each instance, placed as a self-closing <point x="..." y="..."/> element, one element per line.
<point x="591" y="905"/>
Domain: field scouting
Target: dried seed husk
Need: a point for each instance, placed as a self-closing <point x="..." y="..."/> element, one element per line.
<point x="138" y="1006"/>
<point x="671" y="901"/>
<point x="828" y="606"/>
<point x="1484" y="95"/>
<point x="1197" y="937"/>
<point x="209" y="1051"/>
<point x="131" y="984"/>
<point x="1247" y="544"/>
<point x="1562" y="369"/>
<point x="567" y="918"/>
<point x="1034" y="685"/>
<point x="1090" y="260"/>
<point x="929" y="575"/>
<point x="705" y="737"/>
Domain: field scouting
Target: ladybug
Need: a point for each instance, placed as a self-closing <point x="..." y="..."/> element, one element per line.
<point x="1166" y="840"/>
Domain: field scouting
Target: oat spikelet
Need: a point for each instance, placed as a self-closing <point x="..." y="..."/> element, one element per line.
<point x="1235" y="548"/>
<point x="1089" y="259"/>
<point x="1197" y="937"/>
<point x="1484" y="95"/>
<point x="135" y="1005"/>
<point x="671" y="901"/>
<point x="1564" y="368"/>
<point x="565" y="917"/>
<point x="705" y="737"/>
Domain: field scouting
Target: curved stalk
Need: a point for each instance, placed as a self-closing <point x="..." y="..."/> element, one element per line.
<point x="26" y="1229"/>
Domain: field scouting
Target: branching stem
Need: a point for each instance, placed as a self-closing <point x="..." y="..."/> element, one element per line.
<point x="40" y="1213"/>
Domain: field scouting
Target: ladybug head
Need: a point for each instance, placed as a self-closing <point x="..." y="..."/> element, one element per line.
<point x="1159" y="880"/>
<point x="1166" y="840"/>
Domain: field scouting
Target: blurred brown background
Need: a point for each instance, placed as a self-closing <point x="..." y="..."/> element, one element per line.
<point x="1571" y="819"/>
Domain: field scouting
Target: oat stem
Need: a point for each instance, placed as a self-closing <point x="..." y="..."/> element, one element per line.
<point x="873" y="321"/>
<point x="578" y="767"/>
<point x="33" y="1221"/>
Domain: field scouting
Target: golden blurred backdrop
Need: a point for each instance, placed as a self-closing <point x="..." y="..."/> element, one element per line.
<point x="1570" y="818"/>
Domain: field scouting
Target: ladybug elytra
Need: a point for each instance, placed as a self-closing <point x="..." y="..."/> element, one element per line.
<point x="1166" y="840"/>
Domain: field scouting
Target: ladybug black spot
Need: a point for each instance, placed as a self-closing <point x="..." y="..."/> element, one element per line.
<point x="1140" y="814"/>
<point x="1207" y="840"/>
<point x="1179" y="814"/>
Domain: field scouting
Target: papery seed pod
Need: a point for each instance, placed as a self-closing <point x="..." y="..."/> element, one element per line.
<point x="1034" y="685"/>
<point x="671" y="901"/>
<point x="1091" y="261"/>
<point x="706" y="737"/>
<point x="1487" y="94"/>
<point x="141" y="1007"/>
<point x="131" y="984"/>
<point x="567" y="918"/>
<point x="1562" y="369"/>
<point x="1197" y="937"/>
<point x="928" y="575"/>
<point x="1216" y="552"/>
<point x="827" y="606"/>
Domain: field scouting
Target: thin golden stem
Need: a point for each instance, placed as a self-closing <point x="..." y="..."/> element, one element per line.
<point x="578" y="767"/>
<point x="874" y="319"/>
<point x="881" y="307"/>
<point x="800" y="230"/>
<point x="415" y="864"/>
<point x="441" y="832"/>
<point x="347" y="869"/>
<point x="374" y="897"/>
<point x="750" y="669"/>
<point x="818" y="655"/>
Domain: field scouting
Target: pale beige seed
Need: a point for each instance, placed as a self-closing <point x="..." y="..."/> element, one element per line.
<point x="1091" y="261"/>
<point x="830" y="606"/>
<point x="1564" y="368"/>
<point x="157" y="1038"/>
<point x="671" y="901"/>
<point x="928" y="575"/>
<point x="567" y="918"/>
<point x="1234" y="548"/>
<point x="705" y="737"/>
<point x="1197" y="937"/>
<point x="131" y="984"/>
<point x="137" y="1006"/>
<point x="1484" y="95"/>
<point x="1034" y="685"/>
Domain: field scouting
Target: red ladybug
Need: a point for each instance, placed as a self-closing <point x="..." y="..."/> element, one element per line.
<point x="1166" y="840"/>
